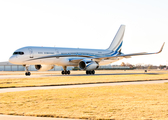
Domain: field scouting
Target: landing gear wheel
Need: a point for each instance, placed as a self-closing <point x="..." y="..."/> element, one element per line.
<point x="90" y="72"/>
<point x="27" y="73"/>
<point x="68" y="72"/>
<point x="65" y="72"/>
<point x="93" y="72"/>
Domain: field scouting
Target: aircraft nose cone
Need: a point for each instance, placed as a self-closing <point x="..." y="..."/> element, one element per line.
<point x="12" y="59"/>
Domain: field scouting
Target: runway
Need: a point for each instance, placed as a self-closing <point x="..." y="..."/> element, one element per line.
<point x="58" y="75"/>
<point x="80" y="86"/>
<point x="22" y="76"/>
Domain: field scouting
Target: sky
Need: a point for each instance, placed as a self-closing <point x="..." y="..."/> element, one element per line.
<point x="86" y="24"/>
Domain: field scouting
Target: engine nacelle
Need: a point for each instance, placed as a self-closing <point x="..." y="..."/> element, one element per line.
<point x="88" y="65"/>
<point x="44" y="67"/>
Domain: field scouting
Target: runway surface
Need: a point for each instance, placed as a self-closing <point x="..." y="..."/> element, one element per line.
<point x="80" y="86"/>
<point x="57" y="75"/>
<point x="21" y="76"/>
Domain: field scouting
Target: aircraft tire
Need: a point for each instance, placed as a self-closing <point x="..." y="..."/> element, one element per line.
<point x="63" y="72"/>
<point x="93" y="72"/>
<point x="89" y="72"/>
<point x="27" y="73"/>
<point x="68" y="72"/>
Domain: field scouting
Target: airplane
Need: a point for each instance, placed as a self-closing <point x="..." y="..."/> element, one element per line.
<point x="45" y="58"/>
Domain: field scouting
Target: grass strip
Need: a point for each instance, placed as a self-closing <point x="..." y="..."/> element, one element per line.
<point x="117" y="102"/>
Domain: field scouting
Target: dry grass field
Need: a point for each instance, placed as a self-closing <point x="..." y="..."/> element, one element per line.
<point x="79" y="77"/>
<point x="129" y="102"/>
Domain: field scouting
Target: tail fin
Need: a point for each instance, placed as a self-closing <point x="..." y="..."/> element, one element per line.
<point x="116" y="44"/>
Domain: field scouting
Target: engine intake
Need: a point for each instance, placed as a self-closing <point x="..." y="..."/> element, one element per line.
<point x="88" y="65"/>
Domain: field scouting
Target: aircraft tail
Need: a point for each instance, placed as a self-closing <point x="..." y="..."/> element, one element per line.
<point x="116" y="44"/>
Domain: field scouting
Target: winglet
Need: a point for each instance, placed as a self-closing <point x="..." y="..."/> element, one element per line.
<point x="161" y="48"/>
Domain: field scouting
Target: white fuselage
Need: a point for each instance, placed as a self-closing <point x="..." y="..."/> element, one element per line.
<point x="33" y="55"/>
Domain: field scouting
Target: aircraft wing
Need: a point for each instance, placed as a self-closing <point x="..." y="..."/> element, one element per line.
<point x="127" y="55"/>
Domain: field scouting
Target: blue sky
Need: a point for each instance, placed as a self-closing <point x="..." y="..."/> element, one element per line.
<point x="85" y="24"/>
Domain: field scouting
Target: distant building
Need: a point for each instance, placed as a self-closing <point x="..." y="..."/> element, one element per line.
<point x="114" y="67"/>
<point x="6" y="66"/>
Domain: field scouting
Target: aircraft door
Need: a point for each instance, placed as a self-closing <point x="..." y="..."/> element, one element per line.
<point x="31" y="52"/>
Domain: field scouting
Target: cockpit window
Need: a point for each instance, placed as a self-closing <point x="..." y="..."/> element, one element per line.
<point x="18" y="53"/>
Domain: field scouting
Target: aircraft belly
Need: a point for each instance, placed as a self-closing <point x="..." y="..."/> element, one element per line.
<point x="106" y="62"/>
<point x="64" y="62"/>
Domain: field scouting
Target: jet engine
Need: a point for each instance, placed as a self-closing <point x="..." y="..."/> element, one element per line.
<point x="88" y="65"/>
<point x="44" y="67"/>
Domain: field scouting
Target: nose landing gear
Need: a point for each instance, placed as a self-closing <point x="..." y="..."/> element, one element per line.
<point x="27" y="70"/>
<point x="27" y="73"/>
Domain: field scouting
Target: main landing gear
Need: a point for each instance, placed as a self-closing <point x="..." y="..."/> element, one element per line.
<point x="90" y="72"/>
<point x="65" y="72"/>
<point x="27" y="71"/>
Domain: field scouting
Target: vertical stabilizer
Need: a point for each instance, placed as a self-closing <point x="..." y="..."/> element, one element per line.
<point x="116" y="44"/>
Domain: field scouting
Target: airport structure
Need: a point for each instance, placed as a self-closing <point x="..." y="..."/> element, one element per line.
<point x="6" y="66"/>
